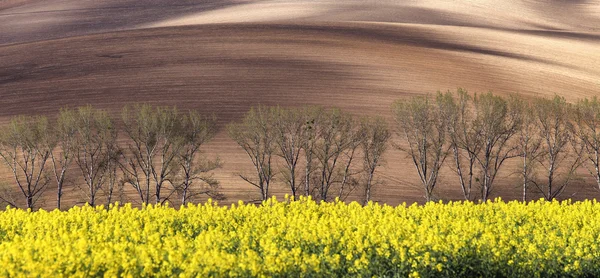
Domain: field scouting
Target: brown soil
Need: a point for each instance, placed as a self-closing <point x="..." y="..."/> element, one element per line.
<point x="359" y="56"/>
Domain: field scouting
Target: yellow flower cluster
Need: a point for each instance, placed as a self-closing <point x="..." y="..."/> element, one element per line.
<point x="305" y="238"/>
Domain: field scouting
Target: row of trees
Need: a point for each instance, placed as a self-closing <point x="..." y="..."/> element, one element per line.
<point x="325" y="153"/>
<point x="156" y="153"/>
<point x="475" y="134"/>
<point x="328" y="153"/>
<point x="155" y="150"/>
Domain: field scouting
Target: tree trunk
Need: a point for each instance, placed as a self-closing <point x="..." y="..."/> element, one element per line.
<point x="184" y="195"/>
<point x="466" y="187"/>
<point x="158" y="186"/>
<point x="293" y="182"/>
<point x="147" y="190"/>
<point x="29" y="202"/>
<point x="597" y="169"/>
<point x="307" y="176"/>
<point x="525" y="177"/>
<point x="368" y="189"/>
<point x="58" y="196"/>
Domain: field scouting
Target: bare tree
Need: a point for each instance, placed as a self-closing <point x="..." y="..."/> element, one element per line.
<point x="8" y="196"/>
<point x="255" y="135"/>
<point x="95" y="135"/>
<point x="112" y="185"/>
<point x="374" y="139"/>
<point x="194" y="168"/>
<point x="65" y="130"/>
<point x="528" y="144"/>
<point x="313" y="118"/>
<point x="587" y="119"/>
<point x="290" y="127"/>
<point x="423" y="125"/>
<point x="337" y="134"/>
<point x="464" y="136"/>
<point x="141" y="126"/>
<point x="349" y="181"/>
<point x="558" y="148"/>
<point x="198" y="180"/>
<point x="155" y="142"/>
<point x="170" y="141"/>
<point x="24" y="150"/>
<point x="496" y="122"/>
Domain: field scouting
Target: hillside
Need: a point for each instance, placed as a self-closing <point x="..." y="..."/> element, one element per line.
<point x="223" y="57"/>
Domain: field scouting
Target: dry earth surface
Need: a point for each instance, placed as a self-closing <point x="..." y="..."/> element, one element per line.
<point x="224" y="56"/>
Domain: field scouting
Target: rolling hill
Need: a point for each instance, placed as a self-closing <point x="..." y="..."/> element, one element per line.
<point x="224" y="56"/>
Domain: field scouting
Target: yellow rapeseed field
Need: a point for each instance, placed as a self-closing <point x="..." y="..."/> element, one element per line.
<point x="305" y="238"/>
